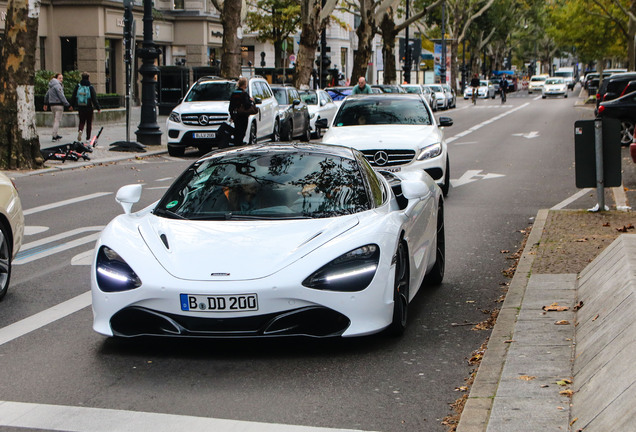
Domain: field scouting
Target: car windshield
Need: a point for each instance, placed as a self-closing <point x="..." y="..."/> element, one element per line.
<point x="483" y="83"/>
<point x="538" y="79"/>
<point x="281" y="95"/>
<point x="436" y="88"/>
<point x="338" y="94"/>
<point x="379" y="110"/>
<point x="211" y="91"/>
<point x="413" y="89"/>
<point x="554" y="81"/>
<point x="266" y="185"/>
<point x="309" y="97"/>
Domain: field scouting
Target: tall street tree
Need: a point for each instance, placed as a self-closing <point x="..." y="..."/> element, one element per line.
<point x="274" y="21"/>
<point x="232" y="14"/>
<point x="314" y="17"/>
<point x="19" y="142"/>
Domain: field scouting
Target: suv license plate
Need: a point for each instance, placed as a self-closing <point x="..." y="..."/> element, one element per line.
<point x="205" y="135"/>
<point x="219" y="303"/>
<point x="388" y="169"/>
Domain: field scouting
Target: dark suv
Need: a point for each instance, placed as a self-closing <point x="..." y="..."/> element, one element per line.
<point x="613" y="86"/>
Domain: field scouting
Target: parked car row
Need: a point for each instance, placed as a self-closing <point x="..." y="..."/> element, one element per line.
<point x="616" y="98"/>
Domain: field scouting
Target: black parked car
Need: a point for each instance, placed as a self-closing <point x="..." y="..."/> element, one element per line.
<point x="614" y="86"/>
<point x="623" y="109"/>
<point x="294" y="114"/>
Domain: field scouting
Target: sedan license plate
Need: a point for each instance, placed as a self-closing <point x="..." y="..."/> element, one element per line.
<point x="219" y="303"/>
<point x="388" y="169"/>
<point x="205" y="135"/>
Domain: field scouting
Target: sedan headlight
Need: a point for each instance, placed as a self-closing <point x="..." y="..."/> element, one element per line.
<point x="175" y="117"/>
<point x="350" y="272"/>
<point x="430" y="151"/>
<point x="113" y="273"/>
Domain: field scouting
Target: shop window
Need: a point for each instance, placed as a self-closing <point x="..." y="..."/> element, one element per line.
<point x="178" y="4"/>
<point x="69" y="53"/>
<point x="111" y="84"/>
<point x="42" y="53"/>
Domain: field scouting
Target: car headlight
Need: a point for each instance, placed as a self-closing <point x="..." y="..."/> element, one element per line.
<point x="175" y="117"/>
<point x="113" y="273"/>
<point x="350" y="272"/>
<point x="430" y="151"/>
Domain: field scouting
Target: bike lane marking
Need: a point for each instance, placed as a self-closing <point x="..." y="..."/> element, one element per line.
<point x="84" y="419"/>
<point x="65" y="202"/>
<point x="484" y="123"/>
<point x="45" y="247"/>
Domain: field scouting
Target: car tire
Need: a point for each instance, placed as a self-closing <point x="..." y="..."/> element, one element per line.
<point x="318" y="133"/>
<point x="446" y="186"/>
<point x="176" y="151"/>
<point x="287" y="131"/>
<point x="306" y="136"/>
<point x="252" y="137"/>
<point x="5" y="259"/>
<point x="400" y="292"/>
<point x="565" y="96"/>
<point x="543" y="97"/>
<point x="436" y="275"/>
<point x="276" y="132"/>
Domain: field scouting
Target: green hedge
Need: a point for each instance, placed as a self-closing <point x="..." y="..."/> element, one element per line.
<point x="71" y="79"/>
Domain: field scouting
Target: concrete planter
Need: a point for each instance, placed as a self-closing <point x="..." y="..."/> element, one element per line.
<point x="71" y="118"/>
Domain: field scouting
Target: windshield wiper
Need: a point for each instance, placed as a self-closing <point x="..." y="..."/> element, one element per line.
<point x="168" y="213"/>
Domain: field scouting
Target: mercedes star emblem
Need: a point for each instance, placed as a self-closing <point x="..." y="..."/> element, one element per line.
<point x="380" y="158"/>
<point x="203" y="120"/>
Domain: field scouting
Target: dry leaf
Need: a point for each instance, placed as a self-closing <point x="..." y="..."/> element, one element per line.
<point x="462" y="388"/>
<point x="554" y="307"/>
<point x="595" y="318"/>
<point x="564" y="382"/>
<point x="606" y="224"/>
<point x="567" y="393"/>
<point x="509" y="341"/>
<point x="581" y="240"/>
<point x="504" y="251"/>
<point x="573" y="421"/>
<point x="579" y="305"/>
<point x="562" y="322"/>
<point x="625" y="228"/>
<point x="527" y="377"/>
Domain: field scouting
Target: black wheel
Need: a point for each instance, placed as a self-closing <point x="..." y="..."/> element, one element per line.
<point x="318" y="133"/>
<point x="306" y="133"/>
<point x="286" y="132"/>
<point x="627" y="132"/>
<point x="446" y="185"/>
<point x="176" y="150"/>
<point x="252" y="137"/>
<point x="276" y="133"/>
<point x="400" y="292"/>
<point x="436" y="275"/>
<point x="5" y="259"/>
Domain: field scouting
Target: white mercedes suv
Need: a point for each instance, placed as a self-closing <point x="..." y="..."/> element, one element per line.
<point x="195" y="121"/>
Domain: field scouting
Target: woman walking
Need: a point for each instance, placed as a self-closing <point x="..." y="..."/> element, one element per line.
<point x="85" y="100"/>
<point x="56" y="100"/>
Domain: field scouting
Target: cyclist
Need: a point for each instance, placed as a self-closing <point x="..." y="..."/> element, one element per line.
<point x="503" y="88"/>
<point x="474" y="83"/>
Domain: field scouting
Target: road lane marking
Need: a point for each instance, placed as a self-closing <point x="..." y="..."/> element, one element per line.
<point x="45" y="247"/>
<point x="84" y="419"/>
<point x="65" y="203"/>
<point x="571" y="199"/>
<point x="41" y="319"/>
<point x="84" y="258"/>
<point x="484" y="123"/>
<point x="473" y="175"/>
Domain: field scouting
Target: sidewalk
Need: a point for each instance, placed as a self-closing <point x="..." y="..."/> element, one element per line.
<point x="111" y="133"/>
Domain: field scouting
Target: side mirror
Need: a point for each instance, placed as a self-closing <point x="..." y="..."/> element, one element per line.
<point x="414" y="189"/>
<point x="445" y="121"/>
<point x="296" y="102"/>
<point x="127" y="196"/>
<point x="322" y="102"/>
<point x="258" y="101"/>
<point x="322" y="123"/>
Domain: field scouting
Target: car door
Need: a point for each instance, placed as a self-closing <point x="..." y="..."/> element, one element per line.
<point x="327" y="109"/>
<point x="265" y="117"/>
<point x="297" y="109"/>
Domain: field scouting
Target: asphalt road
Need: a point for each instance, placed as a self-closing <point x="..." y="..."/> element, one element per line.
<point x="507" y="162"/>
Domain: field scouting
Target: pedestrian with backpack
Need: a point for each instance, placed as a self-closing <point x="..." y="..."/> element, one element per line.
<point x="56" y="101"/>
<point x="85" y="100"/>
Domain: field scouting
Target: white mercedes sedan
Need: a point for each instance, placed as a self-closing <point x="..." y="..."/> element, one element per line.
<point x="270" y="241"/>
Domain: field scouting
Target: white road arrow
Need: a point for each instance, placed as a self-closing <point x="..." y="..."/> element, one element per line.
<point x="529" y="135"/>
<point x="472" y="176"/>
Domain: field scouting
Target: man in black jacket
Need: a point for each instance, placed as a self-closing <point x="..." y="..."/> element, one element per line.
<point x="240" y="102"/>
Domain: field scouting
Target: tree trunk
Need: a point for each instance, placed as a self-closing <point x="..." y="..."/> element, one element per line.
<point x="19" y="142"/>
<point x="387" y="27"/>
<point x="231" y="57"/>
<point x="366" y="32"/>
<point x="306" y="53"/>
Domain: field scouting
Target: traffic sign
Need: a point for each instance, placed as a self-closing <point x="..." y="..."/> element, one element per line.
<point x="292" y="58"/>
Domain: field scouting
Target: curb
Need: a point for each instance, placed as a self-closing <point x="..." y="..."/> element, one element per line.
<point x="82" y="164"/>
<point x="476" y="413"/>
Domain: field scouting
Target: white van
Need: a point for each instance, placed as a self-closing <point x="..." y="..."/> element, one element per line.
<point x="567" y="73"/>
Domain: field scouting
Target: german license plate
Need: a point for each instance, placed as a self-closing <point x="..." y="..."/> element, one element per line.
<point x="205" y="135"/>
<point x="219" y="303"/>
<point x="388" y="169"/>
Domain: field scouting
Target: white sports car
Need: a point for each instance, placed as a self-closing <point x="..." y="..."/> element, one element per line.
<point x="273" y="240"/>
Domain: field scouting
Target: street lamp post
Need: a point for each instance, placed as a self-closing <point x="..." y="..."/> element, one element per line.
<point x="442" y="69"/>
<point x="148" y="132"/>
<point x="407" y="50"/>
